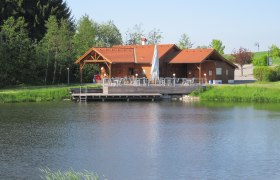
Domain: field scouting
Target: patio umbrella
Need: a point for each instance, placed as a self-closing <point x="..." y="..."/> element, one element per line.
<point x="155" y="65"/>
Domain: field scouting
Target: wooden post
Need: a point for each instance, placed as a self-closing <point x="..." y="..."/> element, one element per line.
<point x="110" y="70"/>
<point x="81" y="73"/>
<point x="109" y="65"/>
<point x="200" y="73"/>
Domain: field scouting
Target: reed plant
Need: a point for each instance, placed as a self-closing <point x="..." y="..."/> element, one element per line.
<point x="48" y="174"/>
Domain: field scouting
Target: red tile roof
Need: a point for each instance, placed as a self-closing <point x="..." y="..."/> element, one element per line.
<point x="198" y="56"/>
<point x="192" y="56"/>
<point x="144" y="53"/>
<point x="129" y="53"/>
<point x="112" y="55"/>
<point x="117" y="55"/>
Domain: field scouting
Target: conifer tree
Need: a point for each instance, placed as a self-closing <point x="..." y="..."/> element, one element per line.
<point x="16" y="53"/>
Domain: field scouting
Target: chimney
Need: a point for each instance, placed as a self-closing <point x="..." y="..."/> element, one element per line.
<point x="143" y="40"/>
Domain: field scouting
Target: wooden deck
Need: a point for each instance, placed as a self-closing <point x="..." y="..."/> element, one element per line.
<point x="164" y="90"/>
<point x="130" y="93"/>
<point x="83" y="97"/>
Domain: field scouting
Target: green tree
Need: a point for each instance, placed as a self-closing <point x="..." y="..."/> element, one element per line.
<point x="50" y="47"/>
<point x="218" y="46"/>
<point x="108" y="35"/>
<point x="56" y="49"/>
<point x="260" y="60"/>
<point x="35" y="12"/>
<point x="185" y="42"/>
<point x="134" y="35"/>
<point x="275" y="51"/>
<point x="65" y="49"/>
<point x="16" y="53"/>
<point x="154" y="36"/>
<point x="85" y="36"/>
<point x="91" y="34"/>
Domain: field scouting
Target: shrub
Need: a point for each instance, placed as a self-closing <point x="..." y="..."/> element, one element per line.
<point x="260" y="61"/>
<point x="277" y="71"/>
<point x="265" y="73"/>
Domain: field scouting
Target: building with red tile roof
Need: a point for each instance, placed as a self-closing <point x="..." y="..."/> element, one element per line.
<point x="128" y="60"/>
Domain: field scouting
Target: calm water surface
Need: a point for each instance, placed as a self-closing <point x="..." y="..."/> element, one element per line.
<point x="141" y="140"/>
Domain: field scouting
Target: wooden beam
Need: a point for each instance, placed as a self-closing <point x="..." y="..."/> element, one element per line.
<point x="96" y="57"/>
<point x="200" y="73"/>
<point x="95" y="61"/>
<point x="110" y="70"/>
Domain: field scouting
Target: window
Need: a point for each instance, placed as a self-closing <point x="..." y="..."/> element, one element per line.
<point x="210" y="73"/>
<point x="218" y="71"/>
<point x="227" y="72"/>
<point x="130" y="71"/>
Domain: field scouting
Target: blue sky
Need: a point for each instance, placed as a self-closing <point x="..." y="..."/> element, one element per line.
<point x="236" y="23"/>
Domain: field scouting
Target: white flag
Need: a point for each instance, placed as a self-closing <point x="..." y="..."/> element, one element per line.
<point x="155" y="65"/>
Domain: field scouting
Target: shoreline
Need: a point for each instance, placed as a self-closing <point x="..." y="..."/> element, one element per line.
<point x="253" y="92"/>
<point x="37" y="93"/>
<point x="259" y="93"/>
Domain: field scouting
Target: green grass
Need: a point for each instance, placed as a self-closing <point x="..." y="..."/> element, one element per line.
<point x="257" y="92"/>
<point x="275" y="61"/>
<point x="228" y="57"/>
<point x="47" y="174"/>
<point x="37" y="93"/>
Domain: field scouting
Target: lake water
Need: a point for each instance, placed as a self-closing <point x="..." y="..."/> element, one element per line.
<point x="141" y="140"/>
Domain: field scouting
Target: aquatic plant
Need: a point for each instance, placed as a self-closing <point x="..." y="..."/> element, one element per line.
<point x="48" y="174"/>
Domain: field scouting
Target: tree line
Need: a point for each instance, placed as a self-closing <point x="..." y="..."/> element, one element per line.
<point x="39" y="42"/>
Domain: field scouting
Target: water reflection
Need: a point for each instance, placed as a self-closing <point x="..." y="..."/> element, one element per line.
<point x="140" y="140"/>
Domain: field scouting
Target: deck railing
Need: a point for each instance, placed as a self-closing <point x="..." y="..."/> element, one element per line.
<point x="158" y="82"/>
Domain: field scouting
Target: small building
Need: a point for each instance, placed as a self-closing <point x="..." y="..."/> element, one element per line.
<point x="136" y="60"/>
<point x="202" y="63"/>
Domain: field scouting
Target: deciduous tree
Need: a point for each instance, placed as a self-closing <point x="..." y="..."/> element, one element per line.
<point x="242" y="56"/>
<point x="56" y="49"/>
<point x="217" y="45"/>
<point x="260" y="61"/>
<point x="134" y="35"/>
<point x="50" y="44"/>
<point x="65" y="49"/>
<point x="108" y="35"/>
<point x="85" y="36"/>
<point x="274" y="51"/>
<point x="154" y="36"/>
<point x="185" y="42"/>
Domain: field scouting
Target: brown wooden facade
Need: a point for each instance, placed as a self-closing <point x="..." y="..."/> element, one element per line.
<point x="131" y="61"/>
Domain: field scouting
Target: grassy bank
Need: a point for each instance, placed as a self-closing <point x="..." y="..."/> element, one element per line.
<point x="48" y="174"/>
<point x="36" y="93"/>
<point x="257" y="92"/>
